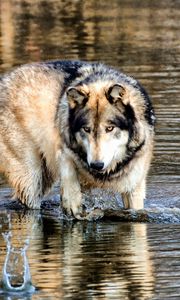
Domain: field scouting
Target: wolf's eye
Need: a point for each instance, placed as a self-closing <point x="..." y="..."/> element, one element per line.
<point x="109" y="128"/>
<point x="87" y="129"/>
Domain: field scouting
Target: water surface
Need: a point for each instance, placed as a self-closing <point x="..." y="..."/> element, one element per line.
<point x="104" y="259"/>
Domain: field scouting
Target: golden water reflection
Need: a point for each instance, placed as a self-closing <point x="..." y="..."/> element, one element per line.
<point x="83" y="260"/>
<point x="133" y="33"/>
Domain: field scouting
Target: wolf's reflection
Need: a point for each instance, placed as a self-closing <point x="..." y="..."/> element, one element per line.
<point x="102" y="260"/>
<point x="108" y="260"/>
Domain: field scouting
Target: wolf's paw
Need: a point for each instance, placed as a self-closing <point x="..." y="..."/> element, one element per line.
<point x="70" y="210"/>
<point x="94" y="215"/>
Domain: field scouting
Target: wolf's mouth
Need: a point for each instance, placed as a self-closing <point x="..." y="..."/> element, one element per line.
<point x="97" y="171"/>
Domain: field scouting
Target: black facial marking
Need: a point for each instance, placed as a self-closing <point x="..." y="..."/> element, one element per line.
<point x="79" y="151"/>
<point x="127" y="122"/>
<point x="129" y="112"/>
<point x="120" y="122"/>
<point x="77" y="119"/>
<point x="131" y="119"/>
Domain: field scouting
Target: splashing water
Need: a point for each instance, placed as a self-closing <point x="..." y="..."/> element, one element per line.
<point x="16" y="275"/>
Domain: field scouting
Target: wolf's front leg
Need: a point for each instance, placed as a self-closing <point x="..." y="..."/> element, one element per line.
<point x="135" y="198"/>
<point x="70" y="187"/>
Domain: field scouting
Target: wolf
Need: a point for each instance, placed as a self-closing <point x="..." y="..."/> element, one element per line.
<point x="86" y="124"/>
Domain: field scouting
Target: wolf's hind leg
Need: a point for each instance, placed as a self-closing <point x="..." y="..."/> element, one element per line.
<point x="28" y="186"/>
<point x="30" y="181"/>
<point x="135" y="198"/>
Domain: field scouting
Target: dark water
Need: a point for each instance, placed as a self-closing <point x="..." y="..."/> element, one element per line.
<point x="107" y="259"/>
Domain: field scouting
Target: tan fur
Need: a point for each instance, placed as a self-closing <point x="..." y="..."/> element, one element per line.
<point x="34" y="126"/>
<point x="27" y="129"/>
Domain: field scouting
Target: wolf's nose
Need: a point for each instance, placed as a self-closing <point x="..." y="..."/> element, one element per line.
<point x="97" y="165"/>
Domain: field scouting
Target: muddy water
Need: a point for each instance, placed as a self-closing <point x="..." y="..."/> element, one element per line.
<point x="104" y="259"/>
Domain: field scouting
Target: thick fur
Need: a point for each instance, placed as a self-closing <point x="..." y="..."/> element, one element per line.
<point x="87" y="124"/>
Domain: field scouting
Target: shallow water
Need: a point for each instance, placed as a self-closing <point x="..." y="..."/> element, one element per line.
<point x="105" y="259"/>
<point x="96" y="260"/>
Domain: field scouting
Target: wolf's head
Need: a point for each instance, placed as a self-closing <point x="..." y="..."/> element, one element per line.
<point x="106" y="123"/>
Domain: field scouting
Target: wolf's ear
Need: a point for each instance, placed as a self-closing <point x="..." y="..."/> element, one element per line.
<point x="76" y="97"/>
<point x="115" y="93"/>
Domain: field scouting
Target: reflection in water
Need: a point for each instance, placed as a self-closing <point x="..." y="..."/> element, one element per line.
<point x="109" y="262"/>
<point x="104" y="260"/>
<point x="86" y="260"/>
<point x="124" y="33"/>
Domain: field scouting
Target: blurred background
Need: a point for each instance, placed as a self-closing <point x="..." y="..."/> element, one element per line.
<point x="120" y="32"/>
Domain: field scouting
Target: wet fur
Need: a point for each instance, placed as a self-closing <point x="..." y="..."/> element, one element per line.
<point x="44" y="109"/>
